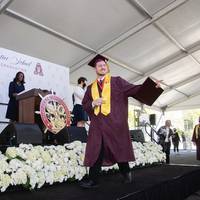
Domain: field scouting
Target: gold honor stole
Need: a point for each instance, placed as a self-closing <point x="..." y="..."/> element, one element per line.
<point x="105" y="107"/>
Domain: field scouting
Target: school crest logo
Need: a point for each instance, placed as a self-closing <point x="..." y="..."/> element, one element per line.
<point x="54" y="113"/>
<point x="38" y="70"/>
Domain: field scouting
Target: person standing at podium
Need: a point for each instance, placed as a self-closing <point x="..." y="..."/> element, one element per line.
<point x="16" y="86"/>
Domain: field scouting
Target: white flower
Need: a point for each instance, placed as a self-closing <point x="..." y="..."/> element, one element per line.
<point x="15" y="164"/>
<point x="19" y="177"/>
<point x="26" y="146"/>
<point x="33" y="154"/>
<point x="32" y="176"/>
<point x="49" y="176"/>
<point x="5" y="181"/>
<point x="58" y="176"/>
<point x="11" y="152"/>
<point x="3" y="165"/>
<point x="46" y="157"/>
<point x="41" y="179"/>
<point x="37" y="165"/>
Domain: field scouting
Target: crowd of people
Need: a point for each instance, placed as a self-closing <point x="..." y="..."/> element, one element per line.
<point x="168" y="136"/>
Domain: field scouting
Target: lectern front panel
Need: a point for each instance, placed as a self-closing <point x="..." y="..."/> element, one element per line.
<point x="27" y="110"/>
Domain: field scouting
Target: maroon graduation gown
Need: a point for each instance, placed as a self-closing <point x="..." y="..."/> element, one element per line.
<point x="197" y="141"/>
<point x="112" y="129"/>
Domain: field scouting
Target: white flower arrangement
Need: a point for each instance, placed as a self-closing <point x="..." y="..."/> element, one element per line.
<point x="34" y="166"/>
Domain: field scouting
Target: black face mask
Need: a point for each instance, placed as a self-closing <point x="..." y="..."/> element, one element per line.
<point x="84" y="85"/>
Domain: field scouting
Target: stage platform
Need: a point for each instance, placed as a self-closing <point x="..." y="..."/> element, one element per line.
<point x="164" y="182"/>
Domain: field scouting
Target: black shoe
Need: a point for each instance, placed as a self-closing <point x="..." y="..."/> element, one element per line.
<point x="89" y="184"/>
<point x="128" y="177"/>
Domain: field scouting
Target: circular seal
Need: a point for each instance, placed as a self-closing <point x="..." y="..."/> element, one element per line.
<point x="54" y="113"/>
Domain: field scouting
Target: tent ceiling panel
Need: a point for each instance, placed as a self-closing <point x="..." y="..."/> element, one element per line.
<point x="139" y="81"/>
<point x="133" y="102"/>
<point x="168" y="98"/>
<point x="178" y="71"/>
<point x="189" y="103"/>
<point x="184" y="23"/>
<point x="85" y="71"/>
<point x="23" y="38"/>
<point x="197" y="55"/>
<point x="154" y="6"/>
<point x="119" y="71"/>
<point x="90" y="74"/>
<point x="191" y="88"/>
<point x="144" y="49"/>
<point x="92" y="22"/>
<point x="156" y="38"/>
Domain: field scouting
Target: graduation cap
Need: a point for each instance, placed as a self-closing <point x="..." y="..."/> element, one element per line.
<point x="96" y="59"/>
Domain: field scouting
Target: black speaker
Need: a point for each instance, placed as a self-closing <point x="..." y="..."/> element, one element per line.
<point x="152" y="119"/>
<point x="16" y="133"/>
<point x="137" y="135"/>
<point x="69" y="134"/>
<point x="60" y="138"/>
<point x="77" y="133"/>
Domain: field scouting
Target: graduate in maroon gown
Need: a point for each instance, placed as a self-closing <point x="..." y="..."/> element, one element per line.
<point x="106" y="102"/>
<point x="196" y="138"/>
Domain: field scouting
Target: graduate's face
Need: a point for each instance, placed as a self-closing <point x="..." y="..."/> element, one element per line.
<point x="101" y="68"/>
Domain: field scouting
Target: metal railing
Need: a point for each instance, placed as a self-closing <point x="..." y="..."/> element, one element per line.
<point x="152" y="132"/>
<point x="3" y="122"/>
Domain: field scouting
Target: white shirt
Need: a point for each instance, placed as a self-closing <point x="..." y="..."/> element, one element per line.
<point x="79" y="93"/>
<point x="100" y="79"/>
<point x="167" y="134"/>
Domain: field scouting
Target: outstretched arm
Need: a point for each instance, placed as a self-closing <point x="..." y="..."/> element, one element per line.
<point x="146" y="93"/>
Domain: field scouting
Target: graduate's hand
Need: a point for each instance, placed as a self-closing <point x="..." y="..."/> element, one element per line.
<point x="158" y="83"/>
<point x="97" y="102"/>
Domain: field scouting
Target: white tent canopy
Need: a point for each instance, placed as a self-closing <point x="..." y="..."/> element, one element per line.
<point x="156" y="38"/>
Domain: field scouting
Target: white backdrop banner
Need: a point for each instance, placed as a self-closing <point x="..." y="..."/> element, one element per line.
<point x="38" y="74"/>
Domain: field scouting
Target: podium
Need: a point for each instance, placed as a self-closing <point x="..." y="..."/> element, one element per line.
<point x="29" y="102"/>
